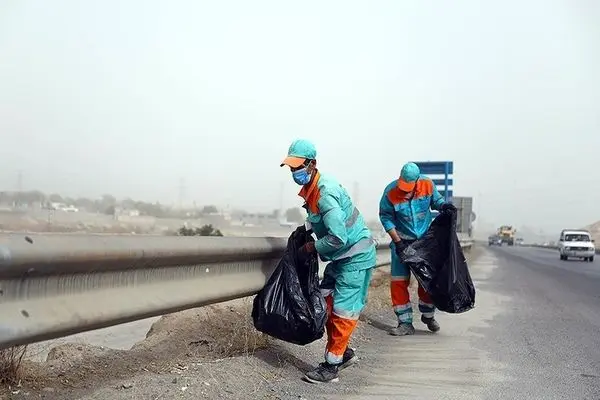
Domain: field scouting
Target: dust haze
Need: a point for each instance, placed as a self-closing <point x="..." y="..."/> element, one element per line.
<point x="196" y="102"/>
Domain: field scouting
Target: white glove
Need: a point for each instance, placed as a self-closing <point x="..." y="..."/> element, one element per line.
<point x="307" y="226"/>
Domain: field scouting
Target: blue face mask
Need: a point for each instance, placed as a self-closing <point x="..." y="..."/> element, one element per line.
<point x="301" y="176"/>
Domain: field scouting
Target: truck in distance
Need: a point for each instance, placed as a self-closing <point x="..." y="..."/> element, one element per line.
<point x="507" y="234"/>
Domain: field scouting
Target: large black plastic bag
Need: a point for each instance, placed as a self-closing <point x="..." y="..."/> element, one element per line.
<point x="438" y="263"/>
<point x="291" y="307"/>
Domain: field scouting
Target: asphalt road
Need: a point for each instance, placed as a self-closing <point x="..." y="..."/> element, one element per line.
<point x="534" y="334"/>
<point x="548" y="334"/>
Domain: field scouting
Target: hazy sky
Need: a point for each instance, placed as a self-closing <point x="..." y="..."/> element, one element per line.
<point x="129" y="97"/>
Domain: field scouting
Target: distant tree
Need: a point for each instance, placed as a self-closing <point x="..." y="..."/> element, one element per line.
<point x="105" y="202"/>
<point x="85" y="203"/>
<point x="109" y="200"/>
<point x="206" y="230"/>
<point x="151" y="209"/>
<point x="210" y="209"/>
<point x="185" y="231"/>
<point x="294" y="215"/>
<point x="110" y="210"/>
<point x="55" y="198"/>
<point x="128" y="204"/>
<point x="29" y="197"/>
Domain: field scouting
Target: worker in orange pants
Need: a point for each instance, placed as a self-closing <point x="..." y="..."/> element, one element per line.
<point x="345" y="288"/>
<point x="346" y="243"/>
<point x="405" y="213"/>
<point x="401" y="301"/>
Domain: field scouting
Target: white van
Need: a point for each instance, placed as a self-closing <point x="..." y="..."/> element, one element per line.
<point x="576" y="243"/>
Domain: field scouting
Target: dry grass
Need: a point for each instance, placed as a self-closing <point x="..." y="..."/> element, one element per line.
<point x="231" y="330"/>
<point x="172" y="343"/>
<point x="216" y="331"/>
<point x="10" y="365"/>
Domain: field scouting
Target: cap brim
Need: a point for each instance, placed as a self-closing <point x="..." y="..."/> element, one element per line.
<point x="405" y="186"/>
<point x="293" y="162"/>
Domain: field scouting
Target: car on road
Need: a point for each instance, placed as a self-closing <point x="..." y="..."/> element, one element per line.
<point x="494" y="240"/>
<point x="576" y="243"/>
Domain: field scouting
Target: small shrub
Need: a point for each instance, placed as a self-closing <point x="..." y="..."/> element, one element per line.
<point x="10" y="364"/>
<point x="206" y="230"/>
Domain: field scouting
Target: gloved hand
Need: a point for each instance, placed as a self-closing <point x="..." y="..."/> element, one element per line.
<point x="398" y="247"/>
<point x="448" y="207"/>
<point x="308" y="226"/>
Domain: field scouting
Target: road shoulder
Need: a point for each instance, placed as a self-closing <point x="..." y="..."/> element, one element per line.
<point x="169" y="364"/>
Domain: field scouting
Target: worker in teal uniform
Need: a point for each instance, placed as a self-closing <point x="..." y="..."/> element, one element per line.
<point x="343" y="240"/>
<point x="405" y="213"/>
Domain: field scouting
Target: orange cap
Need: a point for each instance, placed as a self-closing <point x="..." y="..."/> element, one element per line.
<point x="406" y="186"/>
<point x="292" y="161"/>
<point x="300" y="150"/>
<point x="408" y="177"/>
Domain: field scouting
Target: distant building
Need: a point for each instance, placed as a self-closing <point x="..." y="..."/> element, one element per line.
<point x="127" y="212"/>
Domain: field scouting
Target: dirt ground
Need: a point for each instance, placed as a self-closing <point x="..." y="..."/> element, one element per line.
<point x="209" y="352"/>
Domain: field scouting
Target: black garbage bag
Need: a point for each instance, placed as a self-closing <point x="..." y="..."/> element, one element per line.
<point x="438" y="263"/>
<point x="291" y="307"/>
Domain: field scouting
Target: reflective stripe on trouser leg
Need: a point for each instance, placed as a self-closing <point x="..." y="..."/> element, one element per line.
<point x="348" y="299"/>
<point x="339" y="330"/>
<point x="426" y="307"/>
<point x="329" y="301"/>
<point x="401" y="298"/>
<point x="399" y="290"/>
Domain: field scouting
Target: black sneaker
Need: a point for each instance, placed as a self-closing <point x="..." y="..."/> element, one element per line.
<point x="324" y="373"/>
<point x="431" y="323"/>
<point x="349" y="359"/>
<point x="403" y="329"/>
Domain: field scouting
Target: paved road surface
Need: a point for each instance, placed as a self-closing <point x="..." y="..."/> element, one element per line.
<point x="535" y="334"/>
<point x="549" y="335"/>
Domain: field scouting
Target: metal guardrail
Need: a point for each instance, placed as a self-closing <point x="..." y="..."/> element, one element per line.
<point x="57" y="285"/>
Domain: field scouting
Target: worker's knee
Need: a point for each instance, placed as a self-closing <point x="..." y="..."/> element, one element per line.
<point x="399" y="270"/>
<point x="400" y="283"/>
<point x="348" y="306"/>
<point x="350" y="294"/>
